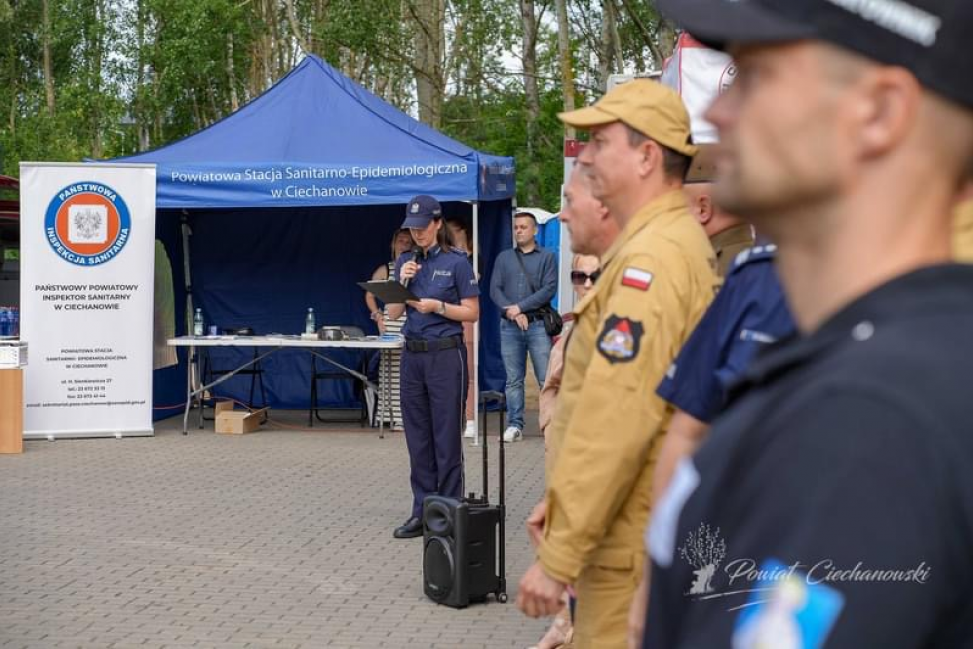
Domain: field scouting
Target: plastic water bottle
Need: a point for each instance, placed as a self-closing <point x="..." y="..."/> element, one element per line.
<point x="198" y="323"/>
<point x="15" y="321"/>
<point x="4" y="321"/>
<point x="309" y="325"/>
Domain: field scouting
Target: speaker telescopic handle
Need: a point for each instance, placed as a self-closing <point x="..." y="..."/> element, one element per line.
<point x="502" y="507"/>
<point x="503" y="470"/>
<point x="483" y="430"/>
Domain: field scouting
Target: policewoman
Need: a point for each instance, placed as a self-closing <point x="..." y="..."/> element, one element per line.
<point x="433" y="374"/>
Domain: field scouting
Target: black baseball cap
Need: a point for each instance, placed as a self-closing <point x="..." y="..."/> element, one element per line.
<point x="930" y="38"/>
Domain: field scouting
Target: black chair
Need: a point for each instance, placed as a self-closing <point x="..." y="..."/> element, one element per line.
<point x="332" y="373"/>
<point x="209" y="373"/>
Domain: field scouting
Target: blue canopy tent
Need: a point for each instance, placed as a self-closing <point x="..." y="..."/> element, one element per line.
<point x="292" y="199"/>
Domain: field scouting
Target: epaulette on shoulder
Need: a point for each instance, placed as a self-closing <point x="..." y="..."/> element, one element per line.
<point x="755" y="253"/>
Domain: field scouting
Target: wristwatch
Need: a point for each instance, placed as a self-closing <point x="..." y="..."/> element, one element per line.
<point x="442" y="308"/>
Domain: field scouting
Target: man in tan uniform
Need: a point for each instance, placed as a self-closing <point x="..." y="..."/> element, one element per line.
<point x="657" y="280"/>
<point x="729" y="235"/>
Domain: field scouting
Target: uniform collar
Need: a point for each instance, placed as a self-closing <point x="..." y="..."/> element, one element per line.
<point x="731" y="236"/>
<point x="435" y="250"/>
<point x="920" y="293"/>
<point x="669" y="203"/>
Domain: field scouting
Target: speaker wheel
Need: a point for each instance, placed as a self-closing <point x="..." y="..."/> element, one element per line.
<point x="502" y="598"/>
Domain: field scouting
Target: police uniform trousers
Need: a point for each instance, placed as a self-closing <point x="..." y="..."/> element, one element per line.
<point x="433" y="397"/>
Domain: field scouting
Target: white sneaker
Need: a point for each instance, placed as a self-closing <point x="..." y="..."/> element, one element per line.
<point x="513" y="434"/>
<point x="470" y="429"/>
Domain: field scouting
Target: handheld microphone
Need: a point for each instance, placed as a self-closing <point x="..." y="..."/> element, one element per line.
<point x="418" y="254"/>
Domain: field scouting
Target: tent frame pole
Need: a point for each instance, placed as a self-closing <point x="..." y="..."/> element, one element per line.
<point x="476" y="330"/>
<point x="192" y="377"/>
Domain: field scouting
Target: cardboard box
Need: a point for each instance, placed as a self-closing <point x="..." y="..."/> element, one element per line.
<point x="11" y="411"/>
<point x="237" y="422"/>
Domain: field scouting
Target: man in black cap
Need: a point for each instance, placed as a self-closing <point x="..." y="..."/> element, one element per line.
<point x="832" y="505"/>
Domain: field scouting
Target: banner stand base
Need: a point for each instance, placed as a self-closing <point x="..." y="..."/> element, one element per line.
<point x="77" y="434"/>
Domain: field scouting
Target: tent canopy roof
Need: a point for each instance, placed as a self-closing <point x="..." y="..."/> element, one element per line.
<point x="318" y="138"/>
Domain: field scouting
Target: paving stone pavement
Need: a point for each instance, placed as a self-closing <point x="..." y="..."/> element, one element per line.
<point x="276" y="539"/>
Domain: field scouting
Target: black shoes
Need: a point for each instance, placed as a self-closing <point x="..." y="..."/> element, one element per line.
<point x="409" y="530"/>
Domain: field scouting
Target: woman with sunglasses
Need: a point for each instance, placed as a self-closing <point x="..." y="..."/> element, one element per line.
<point x="584" y="272"/>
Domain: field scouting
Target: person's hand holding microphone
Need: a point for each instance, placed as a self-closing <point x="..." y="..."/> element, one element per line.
<point x="408" y="271"/>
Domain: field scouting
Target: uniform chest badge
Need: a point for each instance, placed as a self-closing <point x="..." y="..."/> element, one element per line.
<point x="620" y="339"/>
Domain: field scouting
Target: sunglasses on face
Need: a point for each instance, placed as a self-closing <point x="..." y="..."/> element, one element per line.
<point x="579" y="277"/>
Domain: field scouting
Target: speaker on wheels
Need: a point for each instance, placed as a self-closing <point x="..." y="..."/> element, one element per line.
<point x="463" y="538"/>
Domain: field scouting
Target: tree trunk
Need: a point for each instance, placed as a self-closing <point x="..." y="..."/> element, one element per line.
<point x="429" y="17"/>
<point x="532" y="95"/>
<point x="231" y="75"/>
<point x="48" y="72"/>
<point x="138" y="104"/>
<point x="296" y="27"/>
<point x="605" y="49"/>
<point x="618" y="59"/>
<point x="98" y="50"/>
<point x="565" y="57"/>
<point x="14" y="84"/>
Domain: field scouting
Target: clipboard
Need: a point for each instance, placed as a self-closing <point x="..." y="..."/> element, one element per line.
<point x="388" y="291"/>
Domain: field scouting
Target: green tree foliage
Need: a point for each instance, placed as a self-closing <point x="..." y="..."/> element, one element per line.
<point x="101" y="78"/>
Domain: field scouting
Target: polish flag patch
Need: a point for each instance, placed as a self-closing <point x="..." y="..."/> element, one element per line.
<point x="637" y="278"/>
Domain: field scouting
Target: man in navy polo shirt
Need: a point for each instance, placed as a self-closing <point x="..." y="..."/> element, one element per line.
<point x="832" y="504"/>
<point x="524" y="280"/>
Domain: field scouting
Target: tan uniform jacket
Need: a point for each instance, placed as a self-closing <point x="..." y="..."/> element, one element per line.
<point x="657" y="280"/>
<point x="963" y="232"/>
<point x="729" y="243"/>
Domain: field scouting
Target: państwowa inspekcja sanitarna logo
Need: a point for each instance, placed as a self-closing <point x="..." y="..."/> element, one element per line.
<point x="87" y="223"/>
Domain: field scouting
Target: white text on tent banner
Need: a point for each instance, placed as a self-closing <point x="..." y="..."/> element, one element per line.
<point x="87" y="253"/>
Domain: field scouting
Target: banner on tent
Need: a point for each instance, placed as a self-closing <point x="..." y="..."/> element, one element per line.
<point x="277" y="184"/>
<point x="87" y="240"/>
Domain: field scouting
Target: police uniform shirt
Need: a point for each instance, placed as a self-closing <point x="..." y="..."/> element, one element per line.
<point x="657" y="280"/>
<point x="748" y="313"/>
<point x="834" y="499"/>
<point x="445" y="275"/>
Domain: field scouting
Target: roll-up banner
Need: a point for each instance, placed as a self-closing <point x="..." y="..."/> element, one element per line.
<point x="86" y="283"/>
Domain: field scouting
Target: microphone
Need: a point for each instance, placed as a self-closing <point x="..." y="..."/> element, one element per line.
<point x="418" y="254"/>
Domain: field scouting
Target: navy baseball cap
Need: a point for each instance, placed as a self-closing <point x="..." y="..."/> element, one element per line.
<point x="930" y="38"/>
<point x="421" y="210"/>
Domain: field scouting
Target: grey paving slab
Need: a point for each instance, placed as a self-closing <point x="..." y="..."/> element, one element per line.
<point x="280" y="538"/>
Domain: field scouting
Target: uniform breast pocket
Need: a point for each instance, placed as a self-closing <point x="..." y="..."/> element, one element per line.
<point x="443" y="287"/>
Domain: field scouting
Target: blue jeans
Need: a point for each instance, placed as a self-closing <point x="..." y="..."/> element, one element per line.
<point x="514" y="346"/>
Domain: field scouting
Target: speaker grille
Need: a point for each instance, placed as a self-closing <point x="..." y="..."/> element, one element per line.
<point x="439" y="519"/>
<point x="439" y="568"/>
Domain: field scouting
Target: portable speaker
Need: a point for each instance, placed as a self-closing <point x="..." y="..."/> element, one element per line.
<point x="462" y="539"/>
